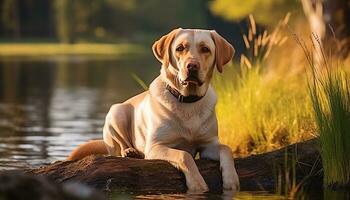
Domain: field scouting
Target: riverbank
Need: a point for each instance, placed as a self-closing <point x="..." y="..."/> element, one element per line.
<point x="49" y="49"/>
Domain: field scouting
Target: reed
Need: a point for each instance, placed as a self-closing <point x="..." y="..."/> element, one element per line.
<point x="329" y="89"/>
<point x="330" y="94"/>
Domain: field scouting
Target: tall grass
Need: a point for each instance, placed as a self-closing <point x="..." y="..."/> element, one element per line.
<point x="258" y="114"/>
<point x="329" y="89"/>
<point x="330" y="94"/>
<point x="258" y="110"/>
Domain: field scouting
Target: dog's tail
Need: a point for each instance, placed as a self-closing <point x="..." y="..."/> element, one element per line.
<point x="88" y="148"/>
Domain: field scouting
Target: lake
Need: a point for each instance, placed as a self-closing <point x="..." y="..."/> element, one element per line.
<point x="49" y="106"/>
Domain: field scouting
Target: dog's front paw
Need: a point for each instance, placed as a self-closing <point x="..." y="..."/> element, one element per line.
<point x="132" y="153"/>
<point x="230" y="180"/>
<point x="196" y="184"/>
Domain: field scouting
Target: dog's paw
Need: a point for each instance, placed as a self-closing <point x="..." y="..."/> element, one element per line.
<point x="196" y="184"/>
<point x="132" y="153"/>
<point x="197" y="188"/>
<point x="230" y="180"/>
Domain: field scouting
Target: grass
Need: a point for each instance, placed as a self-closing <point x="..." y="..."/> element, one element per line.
<point x="330" y="94"/>
<point x="48" y="49"/>
<point x="257" y="113"/>
<point x="329" y="89"/>
<point x="260" y="109"/>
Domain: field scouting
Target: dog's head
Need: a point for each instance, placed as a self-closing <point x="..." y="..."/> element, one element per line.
<point x="189" y="57"/>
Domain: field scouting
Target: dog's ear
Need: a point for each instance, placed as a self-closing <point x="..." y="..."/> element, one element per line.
<point x="161" y="48"/>
<point x="223" y="50"/>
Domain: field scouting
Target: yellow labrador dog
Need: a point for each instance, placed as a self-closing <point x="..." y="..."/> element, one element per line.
<point x="175" y="118"/>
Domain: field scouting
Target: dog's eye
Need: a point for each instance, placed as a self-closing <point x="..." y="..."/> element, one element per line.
<point x="205" y="50"/>
<point x="180" y="48"/>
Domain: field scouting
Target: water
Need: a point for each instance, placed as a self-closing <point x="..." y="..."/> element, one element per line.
<point x="49" y="106"/>
<point x="224" y="196"/>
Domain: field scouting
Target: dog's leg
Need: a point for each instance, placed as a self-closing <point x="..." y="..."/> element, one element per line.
<point x="223" y="154"/>
<point x="112" y="146"/>
<point x="116" y="131"/>
<point x="116" y="148"/>
<point x="183" y="161"/>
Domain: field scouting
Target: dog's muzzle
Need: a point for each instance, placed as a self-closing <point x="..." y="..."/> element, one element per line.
<point x="191" y="80"/>
<point x="192" y="69"/>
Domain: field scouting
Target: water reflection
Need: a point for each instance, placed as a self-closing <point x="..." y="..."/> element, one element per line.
<point x="338" y="194"/>
<point x="224" y="196"/>
<point x="48" y="107"/>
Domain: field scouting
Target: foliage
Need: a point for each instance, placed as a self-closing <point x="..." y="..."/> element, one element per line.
<point x="103" y="20"/>
<point x="265" y="11"/>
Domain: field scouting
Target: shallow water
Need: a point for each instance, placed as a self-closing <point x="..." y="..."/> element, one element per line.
<point x="224" y="196"/>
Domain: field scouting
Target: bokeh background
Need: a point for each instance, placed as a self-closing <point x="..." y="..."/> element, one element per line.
<point x="116" y="21"/>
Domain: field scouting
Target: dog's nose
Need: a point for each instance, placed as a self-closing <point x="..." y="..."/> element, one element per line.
<point x="192" y="66"/>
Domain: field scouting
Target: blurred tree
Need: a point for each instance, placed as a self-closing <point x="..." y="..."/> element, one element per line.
<point x="10" y="17"/>
<point x="64" y="20"/>
<point x="337" y="15"/>
<point x="136" y="19"/>
<point x="103" y="20"/>
<point x="319" y="13"/>
<point x="266" y="12"/>
<point x="329" y="20"/>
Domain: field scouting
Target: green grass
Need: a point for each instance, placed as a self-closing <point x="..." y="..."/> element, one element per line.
<point x="330" y="94"/>
<point x="258" y="112"/>
<point x="47" y="49"/>
<point x="261" y="108"/>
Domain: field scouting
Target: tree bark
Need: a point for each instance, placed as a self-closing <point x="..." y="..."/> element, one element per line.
<point x="64" y="20"/>
<point x="10" y="17"/>
<point x="313" y="10"/>
<point x="329" y="22"/>
<point x="268" y="171"/>
<point x="337" y="16"/>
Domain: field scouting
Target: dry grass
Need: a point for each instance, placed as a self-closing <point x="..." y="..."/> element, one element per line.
<point x="261" y="108"/>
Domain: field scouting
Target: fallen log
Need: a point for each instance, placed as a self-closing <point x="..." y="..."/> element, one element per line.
<point x="258" y="172"/>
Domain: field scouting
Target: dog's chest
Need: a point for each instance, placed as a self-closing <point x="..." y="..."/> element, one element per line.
<point x="172" y="119"/>
<point x="191" y="121"/>
<point x="195" y="122"/>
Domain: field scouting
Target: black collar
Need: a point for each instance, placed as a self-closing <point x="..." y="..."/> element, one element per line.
<point x="181" y="98"/>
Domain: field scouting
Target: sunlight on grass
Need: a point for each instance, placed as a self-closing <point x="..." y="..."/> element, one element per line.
<point x="329" y="89"/>
<point x="330" y="94"/>
<point x="258" y="114"/>
<point x="42" y="49"/>
<point x="259" y="107"/>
